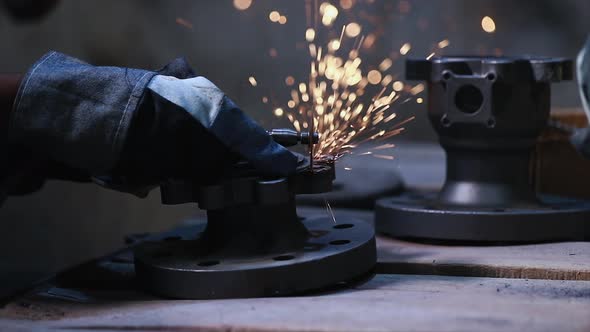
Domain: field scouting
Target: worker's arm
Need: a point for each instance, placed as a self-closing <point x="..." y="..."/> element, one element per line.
<point x="137" y="127"/>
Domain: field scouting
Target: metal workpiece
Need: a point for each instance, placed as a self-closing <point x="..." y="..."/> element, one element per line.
<point x="322" y="254"/>
<point x="254" y="244"/>
<point x="245" y="187"/>
<point x="259" y="191"/>
<point x="488" y="113"/>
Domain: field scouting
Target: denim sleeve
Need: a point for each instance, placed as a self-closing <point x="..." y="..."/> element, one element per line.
<point x="76" y="113"/>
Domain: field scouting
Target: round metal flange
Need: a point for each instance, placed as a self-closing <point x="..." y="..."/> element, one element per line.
<point x="414" y="215"/>
<point x="187" y="268"/>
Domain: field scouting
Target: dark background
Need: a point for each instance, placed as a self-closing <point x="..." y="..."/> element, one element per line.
<point x="68" y="223"/>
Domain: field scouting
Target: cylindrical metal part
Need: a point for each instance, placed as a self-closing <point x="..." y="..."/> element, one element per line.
<point x="488" y="113"/>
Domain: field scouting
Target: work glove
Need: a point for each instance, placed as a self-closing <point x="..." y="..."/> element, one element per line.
<point x="132" y="129"/>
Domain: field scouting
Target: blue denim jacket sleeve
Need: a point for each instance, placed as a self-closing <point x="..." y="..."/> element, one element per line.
<point x="76" y="113"/>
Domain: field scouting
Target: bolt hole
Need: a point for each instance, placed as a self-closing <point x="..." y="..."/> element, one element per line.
<point x="445" y="121"/>
<point x="430" y="207"/>
<point x="491" y="76"/>
<point x="208" y="263"/>
<point x="491" y="123"/>
<point x="499" y="210"/>
<point x="447" y="75"/>
<point x="284" y="258"/>
<point x="172" y="238"/>
<point x="344" y="226"/>
<point x="468" y="99"/>
<point x="339" y="242"/>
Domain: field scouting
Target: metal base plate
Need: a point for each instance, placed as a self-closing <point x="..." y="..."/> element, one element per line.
<point x="413" y="215"/>
<point x="180" y="268"/>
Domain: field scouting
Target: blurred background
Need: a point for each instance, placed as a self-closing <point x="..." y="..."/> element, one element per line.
<point x="232" y="42"/>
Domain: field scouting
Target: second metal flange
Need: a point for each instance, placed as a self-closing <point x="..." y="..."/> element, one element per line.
<point x="417" y="216"/>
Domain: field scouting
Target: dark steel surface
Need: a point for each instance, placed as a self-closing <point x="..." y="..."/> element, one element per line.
<point x="488" y="113"/>
<point x="254" y="244"/>
<point x="330" y="253"/>
<point x="416" y="216"/>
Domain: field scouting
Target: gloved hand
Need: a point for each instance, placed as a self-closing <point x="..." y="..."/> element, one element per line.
<point x="135" y="128"/>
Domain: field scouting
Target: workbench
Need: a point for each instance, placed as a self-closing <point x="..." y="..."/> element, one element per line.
<point x="416" y="287"/>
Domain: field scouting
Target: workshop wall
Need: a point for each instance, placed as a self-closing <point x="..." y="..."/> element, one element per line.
<point x="66" y="223"/>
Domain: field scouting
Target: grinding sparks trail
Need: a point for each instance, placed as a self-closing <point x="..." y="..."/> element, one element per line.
<point x="329" y="210"/>
<point x="348" y="102"/>
<point x="336" y="88"/>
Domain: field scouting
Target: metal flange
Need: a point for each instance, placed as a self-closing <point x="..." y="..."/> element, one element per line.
<point x="185" y="267"/>
<point x="253" y="243"/>
<point x="488" y="113"/>
<point x="416" y="216"/>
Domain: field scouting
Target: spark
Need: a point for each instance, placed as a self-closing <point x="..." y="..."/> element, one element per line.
<point x="369" y="41"/>
<point x="384" y="146"/>
<point x="419" y="100"/>
<point x="347" y="101"/>
<point x="329" y="210"/>
<point x="242" y="4"/>
<point x="488" y="25"/>
<point x="346" y="4"/>
<point x="310" y="35"/>
<point x="405" y="48"/>
<point x="274" y="16"/>
<point x="417" y="89"/>
<point x="252" y="81"/>
<point x="443" y="43"/>
<point x="353" y="29"/>
<point x="374" y="77"/>
<point x="385" y="64"/>
<point x="382" y="156"/>
<point x="329" y="13"/>
<point x="348" y="168"/>
<point x="184" y="23"/>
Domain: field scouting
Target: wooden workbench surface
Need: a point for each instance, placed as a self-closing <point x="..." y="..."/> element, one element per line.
<point x="419" y="287"/>
<point x="385" y="303"/>
<point x="552" y="261"/>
